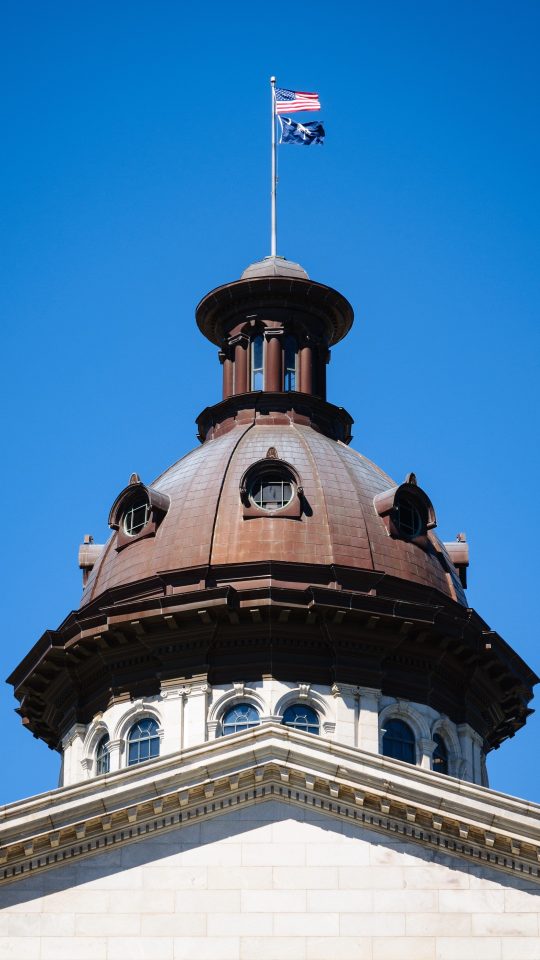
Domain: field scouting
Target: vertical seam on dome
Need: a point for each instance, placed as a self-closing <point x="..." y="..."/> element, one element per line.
<point x="317" y="478"/>
<point x="352" y="478"/>
<point x="222" y="484"/>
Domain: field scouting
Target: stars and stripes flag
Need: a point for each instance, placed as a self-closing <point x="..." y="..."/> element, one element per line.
<point x="292" y="101"/>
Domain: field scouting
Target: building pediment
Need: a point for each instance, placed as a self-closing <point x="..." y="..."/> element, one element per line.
<point x="271" y="762"/>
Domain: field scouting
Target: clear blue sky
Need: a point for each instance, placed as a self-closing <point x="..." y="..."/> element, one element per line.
<point x="135" y="172"/>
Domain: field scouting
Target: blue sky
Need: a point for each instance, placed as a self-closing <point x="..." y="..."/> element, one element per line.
<point x="135" y="174"/>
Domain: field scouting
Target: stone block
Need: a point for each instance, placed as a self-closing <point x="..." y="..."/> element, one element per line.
<point x="522" y="901"/>
<point x="505" y="925"/>
<point x="306" y="924"/>
<point x="520" y="948"/>
<point x="217" y="854"/>
<point x="19" y="948"/>
<point x="338" y="855"/>
<point x="159" y="877"/>
<point x="206" y="948"/>
<point x="240" y="924"/>
<point x="340" y="901"/>
<point x="64" y="925"/>
<point x="304" y="878"/>
<point x="107" y="924"/>
<point x="338" y="948"/>
<point x="75" y="948"/>
<point x="438" y="924"/>
<point x="141" y="901"/>
<point x="274" y="854"/>
<point x="468" y="948"/>
<point x="23" y="924"/>
<point x="471" y="901"/>
<point x="446" y="878"/>
<point x="273" y="901"/>
<point x="236" y="878"/>
<point x="208" y="901"/>
<point x="406" y="901"/>
<point x="140" y="948"/>
<point x="372" y="925"/>
<point x="174" y="925"/>
<point x="371" y="878"/>
<point x="273" y="948"/>
<point x="401" y="948"/>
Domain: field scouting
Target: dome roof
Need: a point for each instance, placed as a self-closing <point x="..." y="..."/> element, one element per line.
<point x="274" y="267"/>
<point x="205" y="524"/>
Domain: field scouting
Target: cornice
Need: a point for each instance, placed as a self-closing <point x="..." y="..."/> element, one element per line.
<point x="360" y="634"/>
<point x="271" y="761"/>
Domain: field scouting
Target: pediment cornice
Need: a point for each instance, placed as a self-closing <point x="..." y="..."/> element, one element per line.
<point x="271" y="762"/>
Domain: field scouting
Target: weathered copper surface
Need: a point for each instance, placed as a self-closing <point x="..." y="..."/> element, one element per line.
<point x="205" y="523"/>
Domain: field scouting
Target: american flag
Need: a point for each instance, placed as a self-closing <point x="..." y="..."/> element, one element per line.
<point x="292" y="101"/>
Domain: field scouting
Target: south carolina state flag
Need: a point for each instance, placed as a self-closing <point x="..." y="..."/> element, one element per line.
<point x="304" y="133"/>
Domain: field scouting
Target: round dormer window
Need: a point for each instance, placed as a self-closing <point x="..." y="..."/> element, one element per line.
<point x="409" y="519"/>
<point x="136" y="516"/>
<point x="271" y="491"/>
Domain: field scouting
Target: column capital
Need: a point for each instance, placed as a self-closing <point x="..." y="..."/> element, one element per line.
<point x="241" y="339"/>
<point x="77" y="731"/>
<point x="273" y="332"/>
<point x="373" y="692"/>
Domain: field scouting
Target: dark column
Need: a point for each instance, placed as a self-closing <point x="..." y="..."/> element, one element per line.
<point x="273" y="379"/>
<point x="241" y="366"/>
<point x="324" y="357"/>
<point x="306" y="369"/>
<point x="228" y="373"/>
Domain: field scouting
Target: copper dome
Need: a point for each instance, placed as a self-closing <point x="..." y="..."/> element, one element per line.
<point x="205" y="526"/>
<point x="199" y="581"/>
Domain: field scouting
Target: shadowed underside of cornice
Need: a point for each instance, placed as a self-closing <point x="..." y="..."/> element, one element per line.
<point x="271" y="762"/>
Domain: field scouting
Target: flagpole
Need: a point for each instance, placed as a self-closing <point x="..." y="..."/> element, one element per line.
<point x="273" y="215"/>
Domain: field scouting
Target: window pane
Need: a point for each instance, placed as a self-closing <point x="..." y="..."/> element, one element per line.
<point x="257" y="353"/>
<point x="136" y="517"/>
<point x="291" y="347"/>
<point x="301" y="717"/>
<point x="257" y="380"/>
<point x="240" y="717"/>
<point x="409" y="519"/>
<point x="440" y="755"/>
<point x="102" y="756"/>
<point x="290" y="380"/>
<point x="143" y="741"/>
<point x="398" y="741"/>
<point x="271" y="494"/>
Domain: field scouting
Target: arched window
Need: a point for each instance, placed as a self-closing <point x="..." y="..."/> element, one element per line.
<point x="440" y="755"/>
<point x="103" y="759"/>
<point x="301" y="717"/>
<point x="289" y="378"/>
<point x="409" y="519"/>
<point x="257" y="363"/>
<point x="143" y="741"/>
<point x="398" y="741"/>
<point x="272" y="490"/>
<point x="136" y="516"/>
<point x="240" y="717"/>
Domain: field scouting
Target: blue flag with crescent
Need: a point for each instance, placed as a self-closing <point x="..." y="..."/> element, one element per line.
<point x="304" y="133"/>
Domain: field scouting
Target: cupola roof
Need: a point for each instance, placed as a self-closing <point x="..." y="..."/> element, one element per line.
<point x="274" y="267"/>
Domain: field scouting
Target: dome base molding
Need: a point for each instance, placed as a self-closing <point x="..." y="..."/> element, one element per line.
<point x="247" y="621"/>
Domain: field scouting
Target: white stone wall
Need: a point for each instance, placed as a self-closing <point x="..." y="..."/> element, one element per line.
<point x="190" y="714"/>
<point x="270" y="882"/>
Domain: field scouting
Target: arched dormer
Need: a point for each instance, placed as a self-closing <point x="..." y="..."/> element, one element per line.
<point x="271" y="487"/>
<point x="407" y="511"/>
<point x="137" y="512"/>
